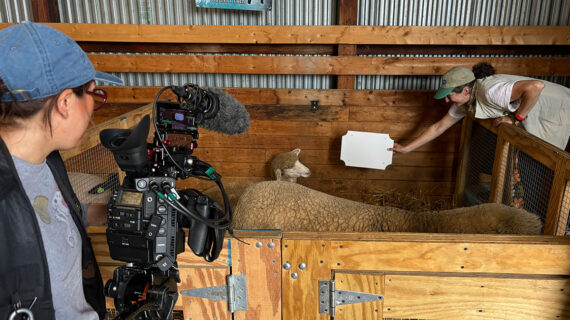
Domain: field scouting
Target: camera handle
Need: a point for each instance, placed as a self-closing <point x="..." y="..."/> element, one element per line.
<point x="205" y="241"/>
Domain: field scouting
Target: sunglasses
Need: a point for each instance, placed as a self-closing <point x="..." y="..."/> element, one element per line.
<point x="100" y="97"/>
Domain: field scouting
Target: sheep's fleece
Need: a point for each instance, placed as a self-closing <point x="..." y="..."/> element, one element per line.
<point x="292" y="207"/>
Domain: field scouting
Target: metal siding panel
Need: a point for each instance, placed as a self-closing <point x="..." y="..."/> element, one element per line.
<point x="455" y="13"/>
<point x="302" y="12"/>
<point x="16" y="11"/>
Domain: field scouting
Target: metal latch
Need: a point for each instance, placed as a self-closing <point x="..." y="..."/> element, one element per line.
<point x="235" y="293"/>
<point x="328" y="294"/>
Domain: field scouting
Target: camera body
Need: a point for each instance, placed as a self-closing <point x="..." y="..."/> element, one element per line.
<point x="146" y="213"/>
<point x="142" y="228"/>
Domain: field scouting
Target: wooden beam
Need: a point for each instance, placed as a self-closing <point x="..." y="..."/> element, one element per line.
<point x="45" y="11"/>
<point x="535" y="147"/>
<point x="347" y="15"/>
<point x="346" y="82"/>
<point x="320" y="49"/>
<point x="553" y="222"/>
<point x="464" y="148"/>
<point x="499" y="171"/>
<point x="299" y="97"/>
<point x="552" y="66"/>
<point x="463" y="49"/>
<point x="136" y="47"/>
<point x="487" y="35"/>
<point x="564" y="210"/>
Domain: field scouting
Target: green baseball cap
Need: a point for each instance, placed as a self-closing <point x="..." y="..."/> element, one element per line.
<point x="455" y="77"/>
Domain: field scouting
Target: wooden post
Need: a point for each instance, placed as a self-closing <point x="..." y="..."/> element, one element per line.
<point x="499" y="168"/>
<point x="347" y="15"/>
<point x="564" y="211"/>
<point x="465" y="145"/>
<point x="45" y="11"/>
<point x="554" y="216"/>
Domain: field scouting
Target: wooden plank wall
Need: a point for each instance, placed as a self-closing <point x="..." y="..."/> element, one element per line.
<point x="282" y="119"/>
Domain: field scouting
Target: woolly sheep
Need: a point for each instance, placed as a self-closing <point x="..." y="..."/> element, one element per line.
<point x="285" y="166"/>
<point x="293" y="207"/>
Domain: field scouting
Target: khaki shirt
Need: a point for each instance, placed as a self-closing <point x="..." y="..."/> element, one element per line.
<point x="549" y="119"/>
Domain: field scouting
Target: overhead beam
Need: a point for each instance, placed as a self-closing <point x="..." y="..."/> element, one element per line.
<point x="485" y="35"/>
<point x="553" y="66"/>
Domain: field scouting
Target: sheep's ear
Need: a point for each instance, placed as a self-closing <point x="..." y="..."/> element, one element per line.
<point x="296" y="151"/>
<point x="278" y="174"/>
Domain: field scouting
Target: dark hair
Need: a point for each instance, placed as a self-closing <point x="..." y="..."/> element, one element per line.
<point x="12" y="110"/>
<point x="460" y="88"/>
<point x="482" y="70"/>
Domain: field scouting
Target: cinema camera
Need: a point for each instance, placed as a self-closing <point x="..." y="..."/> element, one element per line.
<point x="146" y="213"/>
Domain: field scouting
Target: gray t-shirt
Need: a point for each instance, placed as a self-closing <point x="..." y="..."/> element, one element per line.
<point x="62" y="241"/>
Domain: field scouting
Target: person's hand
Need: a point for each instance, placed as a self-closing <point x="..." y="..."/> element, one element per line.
<point x="398" y="148"/>
<point x="505" y="119"/>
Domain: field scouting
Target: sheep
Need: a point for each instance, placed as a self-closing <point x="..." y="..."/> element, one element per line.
<point x="292" y="207"/>
<point x="285" y="166"/>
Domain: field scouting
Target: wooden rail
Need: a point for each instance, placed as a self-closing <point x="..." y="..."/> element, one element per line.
<point x="485" y="35"/>
<point x="320" y="65"/>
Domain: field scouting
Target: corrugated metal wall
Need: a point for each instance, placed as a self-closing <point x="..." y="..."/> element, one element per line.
<point x="455" y="13"/>
<point x="302" y="12"/>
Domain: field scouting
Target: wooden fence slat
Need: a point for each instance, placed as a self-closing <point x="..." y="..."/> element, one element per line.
<point x="340" y="65"/>
<point x="432" y="35"/>
<point x="478" y="297"/>
<point x="298" y="97"/>
<point x="558" y="188"/>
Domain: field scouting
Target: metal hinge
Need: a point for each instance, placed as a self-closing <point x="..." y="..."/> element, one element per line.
<point x="328" y="294"/>
<point x="235" y="293"/>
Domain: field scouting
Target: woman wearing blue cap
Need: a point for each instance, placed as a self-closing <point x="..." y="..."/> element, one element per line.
<point x="540" y="107"/>
<point x="47" y="98"/>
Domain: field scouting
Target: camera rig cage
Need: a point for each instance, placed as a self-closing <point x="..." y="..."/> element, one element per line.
<point x="146" y="213"/>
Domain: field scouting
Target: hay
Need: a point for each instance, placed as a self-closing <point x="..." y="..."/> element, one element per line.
<point x="415" y="200"/>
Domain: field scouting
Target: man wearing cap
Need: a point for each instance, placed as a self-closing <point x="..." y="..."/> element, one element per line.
<point x="540" y="107"/>
<point x="47" y="97"/>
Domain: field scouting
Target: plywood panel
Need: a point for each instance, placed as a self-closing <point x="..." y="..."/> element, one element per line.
<point x="442" y="257"/>
<point x="440" y="277"/>
<point x="201" y="308"/>
<point x="260" y="261"/>
<point x="300" y="286"/>
<point x="478" y="297"/>
<point x="367" y="282"/>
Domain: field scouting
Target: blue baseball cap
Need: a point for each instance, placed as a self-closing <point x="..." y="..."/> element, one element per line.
<point x="39" y="61"/>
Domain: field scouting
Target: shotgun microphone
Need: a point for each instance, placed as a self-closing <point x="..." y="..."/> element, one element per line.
<point x="232" y="117"/>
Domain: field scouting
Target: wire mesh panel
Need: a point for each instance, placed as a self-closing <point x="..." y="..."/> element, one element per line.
<point x="480" y="166"/>
<point x="527" y="183"/>
<point x="94" y="174"/>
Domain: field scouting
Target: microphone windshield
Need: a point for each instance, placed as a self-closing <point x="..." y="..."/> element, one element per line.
<point x="232" y="118"/>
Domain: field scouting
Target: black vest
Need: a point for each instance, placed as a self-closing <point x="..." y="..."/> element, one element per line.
<point x="24" y="273"/>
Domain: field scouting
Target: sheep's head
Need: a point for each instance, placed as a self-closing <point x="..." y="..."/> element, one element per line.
<point x="286" y="166"/>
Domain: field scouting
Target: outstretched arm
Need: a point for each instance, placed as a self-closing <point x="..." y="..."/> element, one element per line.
<point x="434" y="131"/>
<point x="528" y="91"/>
